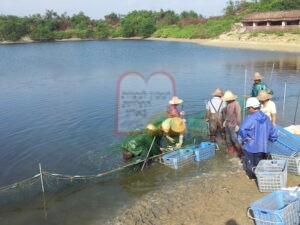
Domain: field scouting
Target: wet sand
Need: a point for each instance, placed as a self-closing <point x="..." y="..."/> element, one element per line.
<point x="220" y="198"/>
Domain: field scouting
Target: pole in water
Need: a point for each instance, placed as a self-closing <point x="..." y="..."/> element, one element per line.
<point x="272" y="72"/>
<point x="245" y="83"/>
<point x="296" y="108"/>
<point x="148" y="153"/>
<point x="283" y="105"/>
<point x="43" y="190"/>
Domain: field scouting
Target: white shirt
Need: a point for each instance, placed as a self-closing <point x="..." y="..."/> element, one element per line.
<point x="214" y="104"/>
<point x="269" y="109"/>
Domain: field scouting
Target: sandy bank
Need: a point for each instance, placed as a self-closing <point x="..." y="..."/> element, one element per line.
<point x="220" y="198"/>
<point x="285" y="43"/>
<point x="275" y="45"/>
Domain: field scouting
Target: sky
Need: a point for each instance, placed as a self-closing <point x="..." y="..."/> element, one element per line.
<point x="97" y="9"/>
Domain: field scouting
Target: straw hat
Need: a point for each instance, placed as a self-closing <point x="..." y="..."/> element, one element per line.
<point x="217" y="92"/>
<point x="177" y="125"/>
<point x="175" y="101"/>
<point x="229" y="96"/>
<point x="257" y="76"/>
<point x="165" y="126"/>
<point x="151" y="127"/>
<point x="263" y="95"/>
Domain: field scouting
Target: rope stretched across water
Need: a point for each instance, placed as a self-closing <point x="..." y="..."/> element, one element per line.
<point x="71" y="177"/>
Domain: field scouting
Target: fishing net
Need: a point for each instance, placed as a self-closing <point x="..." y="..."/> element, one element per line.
<point x="196" y="131"/>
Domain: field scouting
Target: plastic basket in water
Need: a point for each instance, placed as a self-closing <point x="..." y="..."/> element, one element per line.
<point x="293" y="161"/>
<point x="280" y="207"/>
<point x="271" y="175"/>
<point x="204" y="150"/>
<point x="178" y="158"/>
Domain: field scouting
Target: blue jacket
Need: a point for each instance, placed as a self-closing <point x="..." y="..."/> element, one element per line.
<point x="255" y="132"/>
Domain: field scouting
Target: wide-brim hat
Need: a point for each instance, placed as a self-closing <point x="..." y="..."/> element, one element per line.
<point x="166" y="125"/>
<point x="263" y="95"/>
<point x="217" y="92"/>
<point x="177" y="125"/>
<point x="229" y="96"/>
<point x="151" y="127"/>
<point x="257" y="76"/>
<point x="175" y="101"/>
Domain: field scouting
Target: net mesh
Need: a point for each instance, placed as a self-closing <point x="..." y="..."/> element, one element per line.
<point x="197" y="130"/>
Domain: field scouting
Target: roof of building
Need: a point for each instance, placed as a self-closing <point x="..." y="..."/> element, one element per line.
<point x="273" y="16"/>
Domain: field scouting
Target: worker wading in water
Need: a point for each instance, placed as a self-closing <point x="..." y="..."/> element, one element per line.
<point x="214" y="114"/>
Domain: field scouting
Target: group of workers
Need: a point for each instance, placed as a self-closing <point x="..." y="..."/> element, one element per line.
<point x="246" y="138"/>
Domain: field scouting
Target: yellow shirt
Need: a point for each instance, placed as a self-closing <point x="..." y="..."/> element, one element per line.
<point x="269" y="109"/>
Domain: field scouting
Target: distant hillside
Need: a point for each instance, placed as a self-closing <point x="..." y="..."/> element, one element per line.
<point x="142" y="23"/>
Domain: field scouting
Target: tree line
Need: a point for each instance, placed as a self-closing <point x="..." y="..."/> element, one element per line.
<point x="142" y="23"/>
<point x="52" y="26"/>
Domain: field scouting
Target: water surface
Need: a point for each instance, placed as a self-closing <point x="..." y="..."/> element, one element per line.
<point x="58" y="105"/>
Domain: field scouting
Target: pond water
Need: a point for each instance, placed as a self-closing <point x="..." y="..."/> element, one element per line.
<point x="58" y="107"/>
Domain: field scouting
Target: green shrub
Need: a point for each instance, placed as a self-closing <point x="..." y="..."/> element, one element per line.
<point x="253" y="34"/>
<point x="138" y="23"/>
<point x="177" y="32"/>
<point x="84" y="34"/>
<point x="297" y="31"/>
<point x="62" y="35"/>
<point x="115" y="32"/>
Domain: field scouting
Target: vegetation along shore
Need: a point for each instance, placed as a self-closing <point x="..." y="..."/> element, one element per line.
<point x="188" y="26"/>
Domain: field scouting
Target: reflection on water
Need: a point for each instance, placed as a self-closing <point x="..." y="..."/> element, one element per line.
<point x="59" y="110"/>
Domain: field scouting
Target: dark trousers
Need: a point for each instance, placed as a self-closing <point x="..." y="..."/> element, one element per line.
<point x="231" y="137"/>
<point x="251" y="161"/>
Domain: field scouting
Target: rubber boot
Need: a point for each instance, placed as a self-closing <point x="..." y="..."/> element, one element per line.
<point x="230" y="150"/>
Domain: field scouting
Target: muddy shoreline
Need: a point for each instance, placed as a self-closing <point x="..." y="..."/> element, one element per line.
<point x="215" y="198"/>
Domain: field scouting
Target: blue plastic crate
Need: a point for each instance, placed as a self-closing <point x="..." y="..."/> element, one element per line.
<point x="280" y="207"/>
<point x="286" y="142"/>
<point x="287" y="147"/>
<point x="271" y="175"/>
<point x="293" y="161"/>
<point x="178" y="158"/>
<point x="204" y="150"/>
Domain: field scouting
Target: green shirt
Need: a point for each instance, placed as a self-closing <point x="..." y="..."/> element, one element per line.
<point x="258" y="87"/>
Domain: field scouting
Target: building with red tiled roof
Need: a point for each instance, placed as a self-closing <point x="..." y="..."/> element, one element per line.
<point x="272" y="20"/>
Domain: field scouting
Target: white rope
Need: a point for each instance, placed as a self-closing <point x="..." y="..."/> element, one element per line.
<point x="265" y="221"/>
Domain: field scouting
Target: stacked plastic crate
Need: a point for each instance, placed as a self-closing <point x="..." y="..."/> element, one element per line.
<point x="281" y="207"/>
<point x="182" y="157"/>
<point x="204" y="150"/>
<point x="178" y="158"/>
<point x="271" y="175"/>
<point x="287" y="147"/>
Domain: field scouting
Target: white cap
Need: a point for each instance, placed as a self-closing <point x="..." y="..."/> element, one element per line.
<point x="252" y="102"/>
